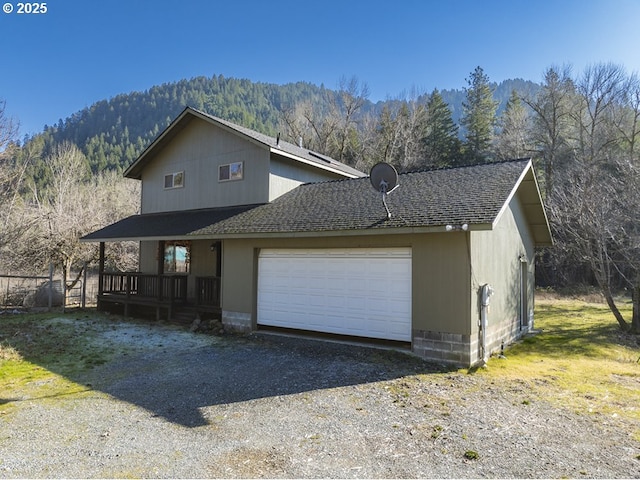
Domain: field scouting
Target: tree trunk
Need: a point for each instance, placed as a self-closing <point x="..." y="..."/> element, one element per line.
<point x="64" y="287"/>
<point x="614" y="309"/>
<point x="635" y="320"/>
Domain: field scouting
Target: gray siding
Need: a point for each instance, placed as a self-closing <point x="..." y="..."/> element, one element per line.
<point x="496" y="260"/>
<point x="148" y="257"/>
<point x="287" y="174"/>
<point x="198" y="150"/>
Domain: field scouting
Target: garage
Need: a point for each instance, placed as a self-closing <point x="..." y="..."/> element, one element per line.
<point x="363" y="292"/>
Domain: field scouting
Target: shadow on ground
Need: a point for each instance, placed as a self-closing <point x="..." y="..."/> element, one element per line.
<point x="178" y="384"/>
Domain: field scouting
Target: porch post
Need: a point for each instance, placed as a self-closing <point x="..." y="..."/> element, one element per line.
<point x="218" y="282"/>
<point x="159" y="271"/>
<point x="127" y="287"/>
<point x="172" y="293"/>
<point x="218" y="258"/>
<point x="101" y="269"/>
<point x="160" y="265"/>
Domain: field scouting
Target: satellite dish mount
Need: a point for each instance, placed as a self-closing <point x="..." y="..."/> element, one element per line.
<point x="384" y="179"/>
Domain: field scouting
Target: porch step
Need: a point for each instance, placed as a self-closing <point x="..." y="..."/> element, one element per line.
<point x="187" y="314"/>
<point x="184" y="314"/>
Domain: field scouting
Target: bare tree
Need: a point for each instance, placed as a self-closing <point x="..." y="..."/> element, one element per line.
<point x="115" y="198"/>
<point x="352" y="95"/>
<point x="551" y="120"/>
<point x="402" y="127"/>
<point x="594" y="203"/>
<point x="629" y="116"/>
<point x="331" y="127"/>
<point x="582" y="216"/>
<point x="306" y="124"/>
<point x="12" y="174"/>
<point x="8" y="127"/>
<point x="598" y="91"/>
<point x="512" y="141"/>
<point x="366" y="155"/>
<point x="74" y="205"/>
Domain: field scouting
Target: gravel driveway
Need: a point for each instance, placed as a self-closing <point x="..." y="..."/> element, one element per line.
<point x="182" y="404"/>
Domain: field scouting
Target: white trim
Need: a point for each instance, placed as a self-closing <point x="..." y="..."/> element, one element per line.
<point x="174" y="184"/>
<point x="505" y="205"/>
<point x="235" y="172"/>
<point x="277" y="151"/>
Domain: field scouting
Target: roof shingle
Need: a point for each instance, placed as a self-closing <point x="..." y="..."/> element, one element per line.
<point x="474" y="195"/>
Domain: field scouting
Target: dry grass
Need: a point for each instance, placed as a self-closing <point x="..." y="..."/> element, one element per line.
<point x="577" y="359"/>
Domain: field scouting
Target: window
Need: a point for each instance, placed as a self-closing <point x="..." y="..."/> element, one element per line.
<point x="174" y="180"/>
<point x="230" y="171"/>
<point x="177" y="257"/>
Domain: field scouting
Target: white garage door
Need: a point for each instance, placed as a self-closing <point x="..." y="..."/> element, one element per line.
<point x="358" y="291"/>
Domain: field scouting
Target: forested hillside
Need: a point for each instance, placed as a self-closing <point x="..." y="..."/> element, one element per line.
<point x="111" y="133"/>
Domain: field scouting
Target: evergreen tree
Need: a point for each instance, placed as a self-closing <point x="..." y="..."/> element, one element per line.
<point x="441" y="143"/>
<point x="479" y="117"/>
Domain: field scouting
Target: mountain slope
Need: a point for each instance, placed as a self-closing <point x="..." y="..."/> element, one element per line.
<point x="113" y="132"/>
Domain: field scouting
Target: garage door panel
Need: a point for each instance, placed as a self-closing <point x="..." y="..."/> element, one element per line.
<point x="362" y="292"/>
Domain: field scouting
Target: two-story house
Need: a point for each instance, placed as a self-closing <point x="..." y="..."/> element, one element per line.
<point x="270" y="235"/>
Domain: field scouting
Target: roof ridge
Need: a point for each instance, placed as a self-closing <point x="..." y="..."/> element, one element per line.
<point x="460" y="167"/>
<point x="428" y="170"/>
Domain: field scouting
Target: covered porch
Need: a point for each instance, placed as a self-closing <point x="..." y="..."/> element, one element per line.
<point x="172" y="294"/>
<point x="179" y="268"/>
<point x="162" y="292"/>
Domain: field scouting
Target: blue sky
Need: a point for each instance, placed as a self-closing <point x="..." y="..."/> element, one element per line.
<point x="83" y="51"/>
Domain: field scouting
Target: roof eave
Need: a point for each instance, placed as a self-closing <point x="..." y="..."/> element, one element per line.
<point x="328" y="168"/>
<point x="295" y="234"/>
<point x="343" y="233"/>
<point x="540" y="230"/>
<point x="135" y="169"/>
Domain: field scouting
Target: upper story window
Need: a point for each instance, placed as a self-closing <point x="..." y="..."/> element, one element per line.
<point x="230" y="171"/>
<point x="174" y="180"/>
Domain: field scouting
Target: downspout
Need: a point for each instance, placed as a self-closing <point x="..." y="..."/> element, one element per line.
<point x="485" y="294"/>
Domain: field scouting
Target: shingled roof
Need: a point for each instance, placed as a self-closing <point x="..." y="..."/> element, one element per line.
<point x="165" y="225"/>
<point x="424" y="201"/>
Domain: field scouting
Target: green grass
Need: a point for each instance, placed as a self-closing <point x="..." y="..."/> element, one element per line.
<point x="579" y="359"/>
<point x="39" y="353"/>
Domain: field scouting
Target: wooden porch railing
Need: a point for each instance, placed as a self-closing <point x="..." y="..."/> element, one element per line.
<point x="208" y="291"/>
<point x="162" y="288"/>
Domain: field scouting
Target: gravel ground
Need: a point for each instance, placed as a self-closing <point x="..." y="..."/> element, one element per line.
<point x="186" y="405"/>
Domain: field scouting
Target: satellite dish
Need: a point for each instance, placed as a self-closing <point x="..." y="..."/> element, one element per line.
<point x="384" y="179"/>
